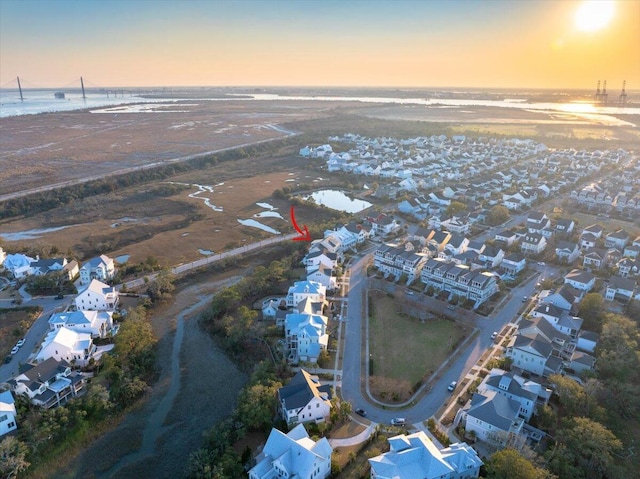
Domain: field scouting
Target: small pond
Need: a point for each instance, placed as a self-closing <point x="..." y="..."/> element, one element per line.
<point x="338" y="200"/>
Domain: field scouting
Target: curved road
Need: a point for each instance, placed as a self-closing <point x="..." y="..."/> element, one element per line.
<point x="354" y="374"/>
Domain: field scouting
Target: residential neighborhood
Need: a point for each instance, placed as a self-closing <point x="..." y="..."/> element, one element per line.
<point x="474" y="233"/>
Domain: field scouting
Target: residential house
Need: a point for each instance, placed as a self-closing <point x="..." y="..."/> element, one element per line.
<point x="588" y="241"/>
<point x="565" y="297"/>
<point x="302" y="290"/>
<point x="595" y="258"/>
<point x="439" y="240"/>
<point x="493" y="417"/>
<point x="459" y="280"/>
<point x="416" y="456"/>
<point x="8" y="414"/>
<point x="508" y="237"/>
<point x="293" y="455"/>
<point x="18" y="265"/>
<point x="41" y="267"/>
<point x="631" y="251"/>
<point x="383" y="225"/>
<point x="3" y="256"/>
<point x="533" y="243"/>
<point x="618" y="239"/>
<point x="456" y="225"/>
<point x="491" y="257"/>
<point x="306" y="336"/>
<point x="538" y="220"/>
<point x="580" y="279"/>
<point x="457" y="244"/>
<point x="512" y="264"/>
<point x="393" y="261"/>
<point x="101" y="267"/>
<point x="271" y="307"/>
<point x="628" y="267"/>
<point x="529" y="394"/>
<point x="559" y="319"/>
<point x="99" y="324"/>
<point x="68" y="345"/>
<point x="304" y="399"/>
<point x="567" y="252"/>
<point x="595" y="230"/>
<point x="97" y="297"/>
<point x="48" y="384"/>
<point x="323" y="275"/>
<point x="619" y="288"/>
<point x="565" y="227"/>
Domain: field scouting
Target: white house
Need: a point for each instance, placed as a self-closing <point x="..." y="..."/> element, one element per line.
<point x="293" y="455"/>
<point x="513" y="263"/>
<point x="43" y="266"/>
<point x="304" y="399"/>
<point x="302" y="290"/>
<point x="580" y="279"/>
<point x="3" y="256"/>
<point x="99" y="324"/>
<point x="98" y="297"/>
<point x="567" y="251"/>
<point x="7" y="413"/>
<point x="529" y="394"/>
<point x="533" y="243"/>
<point x="415" y="456"/>
<point x="65" y="344"/>
<point x="101" y="267"/>
<point x="493" y="417"/>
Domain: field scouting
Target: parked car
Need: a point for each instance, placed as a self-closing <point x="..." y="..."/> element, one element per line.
<point x="361" y="412"/>
<point x="452" y="386"/>
<point x="524" y="299"/>
<point x="20" y="343"/>
<point x="15" y="350"/>
<point x="398" y="421"/>
<point x="60" y="296"/>
<point x="7" y="359"/>
<point x="494" y="335"/>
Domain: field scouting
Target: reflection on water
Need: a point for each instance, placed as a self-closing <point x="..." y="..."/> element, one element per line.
<point x="337" y="200"/>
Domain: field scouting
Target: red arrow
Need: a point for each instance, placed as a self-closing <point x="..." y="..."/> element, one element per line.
<point x="304" y="235"/>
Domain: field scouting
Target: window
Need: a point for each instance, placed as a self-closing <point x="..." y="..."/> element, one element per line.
<point x="11" y="424"/>
<point x="4" y="417"/>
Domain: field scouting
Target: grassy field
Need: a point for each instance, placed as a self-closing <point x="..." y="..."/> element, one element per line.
<point x="14" y="323"/>
<point x="391" y="335"/>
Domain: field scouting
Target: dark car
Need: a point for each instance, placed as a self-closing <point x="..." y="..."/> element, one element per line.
<point x="361" y="412"/>
<point x="60" y="296"/>
<point x="7" y="359"/>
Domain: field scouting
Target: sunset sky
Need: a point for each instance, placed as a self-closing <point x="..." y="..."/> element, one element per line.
<point x="500" y="44"/>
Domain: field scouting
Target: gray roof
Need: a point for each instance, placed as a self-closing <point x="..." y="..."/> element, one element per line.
<point x="301" y="389"/>
<point x="495" y="409"/>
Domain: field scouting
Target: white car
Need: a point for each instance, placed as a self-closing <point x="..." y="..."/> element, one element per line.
<point x="398" y="421"/>
<point x="15" y="350"/>
<point x="20" y="343"/>
<point x="452" y="386"/>
<point x="494" y="335"/>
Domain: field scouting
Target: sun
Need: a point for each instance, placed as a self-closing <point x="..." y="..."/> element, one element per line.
<point x="594" y="15"/>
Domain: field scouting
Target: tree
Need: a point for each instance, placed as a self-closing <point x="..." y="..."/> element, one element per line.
<point x="257" y="403"/>
<point x="498" y="215"/>
<point x="509" y="463"/>
<point x="587" y="445"/>
<point x="160" y="289"/>
<point x="576" y="399"/>
<point x="455" y="208"/>
<point x="592" y="311"/>
<point x="12" y="453"/>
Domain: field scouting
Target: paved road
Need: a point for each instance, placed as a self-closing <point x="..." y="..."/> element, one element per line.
<point x="354" y="371"/>
<point x="34" y="336"/>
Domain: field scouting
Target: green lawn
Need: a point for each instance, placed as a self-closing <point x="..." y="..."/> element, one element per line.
<point x="404" y="349"/>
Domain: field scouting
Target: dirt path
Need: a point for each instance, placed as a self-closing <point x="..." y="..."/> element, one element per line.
<point x="198" y="386"/>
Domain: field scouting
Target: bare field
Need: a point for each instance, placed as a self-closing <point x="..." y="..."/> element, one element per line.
<point x="137" y="222"/>
<point x="53" y="148"/>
